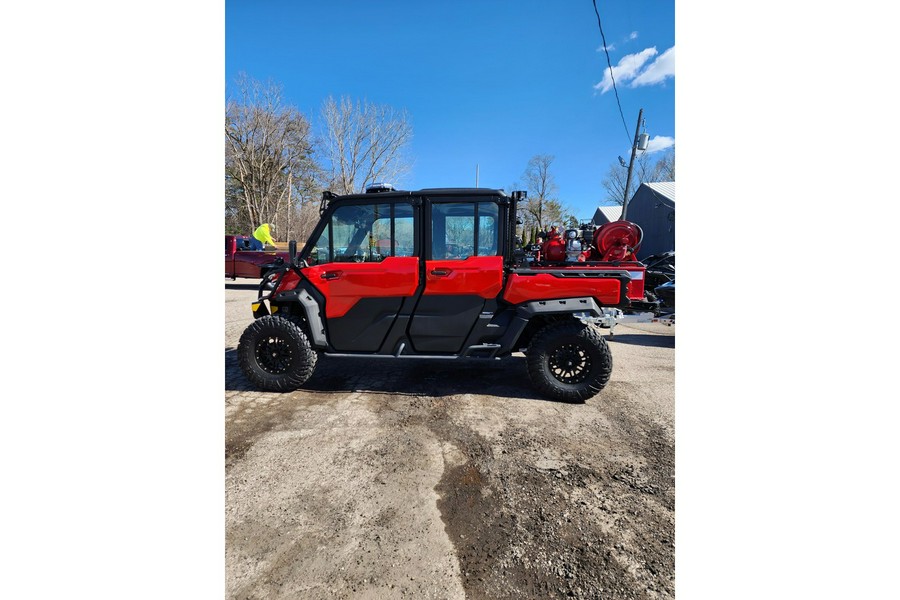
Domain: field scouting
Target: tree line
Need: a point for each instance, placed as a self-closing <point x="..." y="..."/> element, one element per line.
<point x="277" y="162"/>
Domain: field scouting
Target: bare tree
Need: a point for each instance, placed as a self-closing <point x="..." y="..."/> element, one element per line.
<point x="646" y="170"/>
<point x="303" y="218"/>
<point x="541" y="187"/>
<point x="363" y="144"/>
<point x="664" y="168"/>
<point x="269" y="165"/>
<point x="542" y="208"/>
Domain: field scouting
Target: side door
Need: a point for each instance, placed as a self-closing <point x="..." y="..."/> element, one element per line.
<point x="365" y="263"/>
<point x="463" y="266"/>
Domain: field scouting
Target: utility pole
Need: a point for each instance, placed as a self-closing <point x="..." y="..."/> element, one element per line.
<point x="634" y="144"/>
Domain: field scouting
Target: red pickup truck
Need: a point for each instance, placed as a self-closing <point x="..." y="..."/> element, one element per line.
<point x="241" y="261"/>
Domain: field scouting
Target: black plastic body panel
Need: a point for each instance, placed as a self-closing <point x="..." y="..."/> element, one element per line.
<point x="365" y="326"/>
<point x="565" y="305"/>
<point x="311" y="302"/>
<point x="442" y="323"/>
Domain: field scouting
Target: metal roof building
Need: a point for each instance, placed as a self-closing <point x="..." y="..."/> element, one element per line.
<point x="607" y="214"/>
<point x="653" y="208"/>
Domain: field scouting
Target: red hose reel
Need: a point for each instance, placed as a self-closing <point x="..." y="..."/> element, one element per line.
<point x="617" y="240"/>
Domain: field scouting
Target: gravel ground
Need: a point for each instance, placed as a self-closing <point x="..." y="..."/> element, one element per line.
<point x="388" y="478"/>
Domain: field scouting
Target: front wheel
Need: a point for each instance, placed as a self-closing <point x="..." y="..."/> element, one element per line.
<point x="275" y="355"/>
<point x="569" y="361"/>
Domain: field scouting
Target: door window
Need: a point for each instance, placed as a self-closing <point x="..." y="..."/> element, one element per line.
<point x="366" y="233"/>
<point x="463" y="229"/>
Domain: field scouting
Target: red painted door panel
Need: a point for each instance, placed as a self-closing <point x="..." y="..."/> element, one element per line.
<point x="345" y="283"/>
<point x="477" y="275"/>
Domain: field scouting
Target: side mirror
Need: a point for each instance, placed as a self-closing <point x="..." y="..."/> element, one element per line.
<point x="292" y="252"/>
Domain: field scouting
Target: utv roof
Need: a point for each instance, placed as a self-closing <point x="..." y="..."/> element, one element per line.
<point x="429" y="191"/>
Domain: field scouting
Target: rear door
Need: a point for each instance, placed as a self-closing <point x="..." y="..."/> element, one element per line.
<point x="463" y="266"/>
<point x="365" y="264"/>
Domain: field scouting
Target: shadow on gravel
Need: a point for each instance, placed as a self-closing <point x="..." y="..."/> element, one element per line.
<point x="241" y="286"/>
<point x="637" y="339"/>
<point x="505" y="378"/>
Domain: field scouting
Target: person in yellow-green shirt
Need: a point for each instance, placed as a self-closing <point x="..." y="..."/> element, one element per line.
<point x="261" y="237"/>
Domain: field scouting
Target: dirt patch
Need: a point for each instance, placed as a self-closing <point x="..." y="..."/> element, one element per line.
<point x="528" y="523"/>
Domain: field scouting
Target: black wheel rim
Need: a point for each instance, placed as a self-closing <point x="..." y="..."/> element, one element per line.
<point x="570" y="363"/>
<point x="274" y="355"/>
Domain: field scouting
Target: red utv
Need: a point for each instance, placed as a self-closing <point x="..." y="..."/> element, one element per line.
<point x="437" y="273"/>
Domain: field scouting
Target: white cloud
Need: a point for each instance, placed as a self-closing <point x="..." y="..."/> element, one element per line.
<point x="632" y="35"/>
<point x="607" y="48"/>
<point x="626" y="70"/>
<point x="658" y="143"/>
<point x="658" y="71"/>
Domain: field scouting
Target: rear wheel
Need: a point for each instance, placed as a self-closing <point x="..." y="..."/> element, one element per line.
<point x="569" y="361"/>
<point x="274" y="353"/>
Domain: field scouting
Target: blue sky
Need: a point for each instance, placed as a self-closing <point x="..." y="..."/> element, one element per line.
<point x="485" y="83"/>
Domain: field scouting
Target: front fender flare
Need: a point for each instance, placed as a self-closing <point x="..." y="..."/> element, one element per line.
<point x="311" y="310"/>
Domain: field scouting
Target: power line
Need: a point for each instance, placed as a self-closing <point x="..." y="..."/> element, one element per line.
<point x="603" y="37"/>
<point x="660" y="199"/>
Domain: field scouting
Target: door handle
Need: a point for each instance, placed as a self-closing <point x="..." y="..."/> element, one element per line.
<point x="331" y="275"/>
<point x="440" y="272"/>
